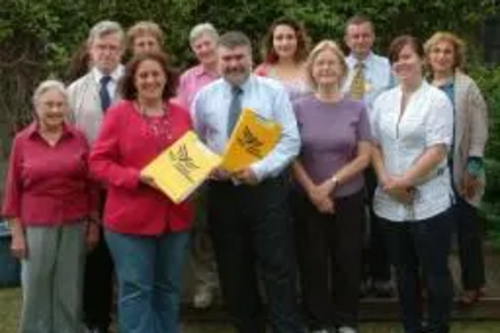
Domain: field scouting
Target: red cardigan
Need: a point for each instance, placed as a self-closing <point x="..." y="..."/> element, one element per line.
<point x="123" y="147"/>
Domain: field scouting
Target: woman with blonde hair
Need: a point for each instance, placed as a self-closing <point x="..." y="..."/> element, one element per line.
<point x="445" y="54"/>
<point x="329" y="214"/>
<point x="144" y="36"/>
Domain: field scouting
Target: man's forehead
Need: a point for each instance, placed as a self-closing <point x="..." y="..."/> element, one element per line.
<point x="114" y="38"/>
<point x="237" y="50"/>
<point x="359" y="27"/>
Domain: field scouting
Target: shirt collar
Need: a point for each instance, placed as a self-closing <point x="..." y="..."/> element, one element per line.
<point x="68" y="131"/>
<point x="115" y="75"/>
<point x="245" y="86"/>
<point x="199" y="71"/>
<point x="352" y="60"/>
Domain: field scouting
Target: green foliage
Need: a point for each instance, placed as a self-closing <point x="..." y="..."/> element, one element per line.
<point x="62" y="24"/>
<point x="488" y="79"/>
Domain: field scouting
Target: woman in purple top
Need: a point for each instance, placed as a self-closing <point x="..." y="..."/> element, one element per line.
<point x="335" y="135"/>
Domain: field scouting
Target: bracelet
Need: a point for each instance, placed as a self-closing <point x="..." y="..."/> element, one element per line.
<point x="335" y="180"/>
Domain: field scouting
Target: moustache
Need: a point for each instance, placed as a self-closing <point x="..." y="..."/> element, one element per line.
<point x="235" y="70"/>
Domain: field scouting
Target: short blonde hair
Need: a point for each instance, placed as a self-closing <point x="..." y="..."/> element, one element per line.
<point x="325" y="45"/>
<point x="143" y="28"/>
<point x="458" y="45"/>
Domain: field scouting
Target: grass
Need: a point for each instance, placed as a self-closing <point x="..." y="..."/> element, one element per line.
<point x="10" y="302"/>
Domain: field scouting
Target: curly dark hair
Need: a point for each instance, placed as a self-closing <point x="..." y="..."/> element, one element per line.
<point x="128" y="89"/>
<point x="303" y="41"/>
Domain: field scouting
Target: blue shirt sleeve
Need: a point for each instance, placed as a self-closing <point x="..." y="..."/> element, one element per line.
<point x="287" y="147"/>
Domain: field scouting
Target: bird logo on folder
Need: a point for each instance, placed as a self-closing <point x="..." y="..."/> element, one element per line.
<point x="183" y="167"/>
<point x="250" y="142"/>
<point x="183" y="162"/>
<point x="252" y="139"/>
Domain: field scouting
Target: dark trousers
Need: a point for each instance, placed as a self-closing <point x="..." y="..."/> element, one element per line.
<point x="421" y="248"/>
<point x="376" y="258"/>
<point x="329" y="250"/>
<point x="98" y="284"/>
<point x="251" y="234"/>
<point x="470" y="245"/>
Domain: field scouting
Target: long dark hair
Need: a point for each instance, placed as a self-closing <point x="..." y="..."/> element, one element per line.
<point x="303" y="41"/>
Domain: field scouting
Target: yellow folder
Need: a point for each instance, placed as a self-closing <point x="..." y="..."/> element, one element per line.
<point x="252" y="139"/>
<point x="182" y="167"/>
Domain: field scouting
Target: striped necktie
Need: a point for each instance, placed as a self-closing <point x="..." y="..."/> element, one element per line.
<point x="357" y="88"/>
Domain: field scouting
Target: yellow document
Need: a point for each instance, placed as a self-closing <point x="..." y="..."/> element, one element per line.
<point x="182" y="167"/>
<point x="252" y="139"/>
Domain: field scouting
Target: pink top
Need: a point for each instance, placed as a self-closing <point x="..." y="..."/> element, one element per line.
<point x="191" y="81"/>
<point x="295" y="88"/>
<point x="128" y="141"/>
<point x="49" y="186"/>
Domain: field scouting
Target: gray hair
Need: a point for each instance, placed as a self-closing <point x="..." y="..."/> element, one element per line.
<point x="233" y="39"/>
<point x="105" y="28"/>
<point x="203" y="29"/>
<point x="49" y="85"/>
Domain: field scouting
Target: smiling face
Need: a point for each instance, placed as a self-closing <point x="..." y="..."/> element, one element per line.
<point x="106" y="52"/>
<point x="408" y="65"/>
<point x="235" y="64"/>
<point x="145" y="43"/>
<point x="284" y="41"/>
<point x="205" y="49"/>
<point x="442" y="56"/>
<point x="51" y="109"/>
<point x="327" y="69"/>
<point x="150" y="80"/>
<point x="360" y="38"/>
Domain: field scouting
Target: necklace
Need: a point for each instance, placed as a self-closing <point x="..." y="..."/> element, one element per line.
<point x="158" y="127"/>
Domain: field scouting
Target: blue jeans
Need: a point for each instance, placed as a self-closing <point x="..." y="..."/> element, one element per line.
<point x="421" y="248"/>
<point x="149" y="270"/>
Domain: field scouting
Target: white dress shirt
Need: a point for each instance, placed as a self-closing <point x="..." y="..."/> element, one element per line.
<point x="377" y="75"/>
<point x="427" y="121"/>
<point x="268" y="99"/>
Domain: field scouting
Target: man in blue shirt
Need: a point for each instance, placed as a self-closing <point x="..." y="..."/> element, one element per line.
<point x="369" y="75"/>
<point x="247" y="210"/>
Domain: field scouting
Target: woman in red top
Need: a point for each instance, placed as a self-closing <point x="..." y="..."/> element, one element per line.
<point x="146" y="232"/>
<point x="49" y="203"/>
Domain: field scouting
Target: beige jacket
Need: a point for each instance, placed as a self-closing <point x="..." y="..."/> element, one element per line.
<point x="471" y="128"/>
<point x="85" y="102"/>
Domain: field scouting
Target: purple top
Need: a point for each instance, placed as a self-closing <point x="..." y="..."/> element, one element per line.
<point x="330" y="133"/>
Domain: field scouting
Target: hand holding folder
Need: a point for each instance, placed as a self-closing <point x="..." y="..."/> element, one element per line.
<point x="182" y="168"/>
<point x="252" y="139"/>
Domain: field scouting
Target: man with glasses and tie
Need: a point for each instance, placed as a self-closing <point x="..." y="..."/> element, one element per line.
<point x="248" y="216"/>
<point x="369" y="74"/>
<point x="90" y="96"/>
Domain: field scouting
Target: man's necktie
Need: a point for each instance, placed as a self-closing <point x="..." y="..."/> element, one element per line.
<point x="104" y="93"/>
<point x="357" y="88"/>
<point x="234" y="109"/>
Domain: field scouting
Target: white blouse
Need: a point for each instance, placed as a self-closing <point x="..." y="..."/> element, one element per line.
<point x="426" y="121"/>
